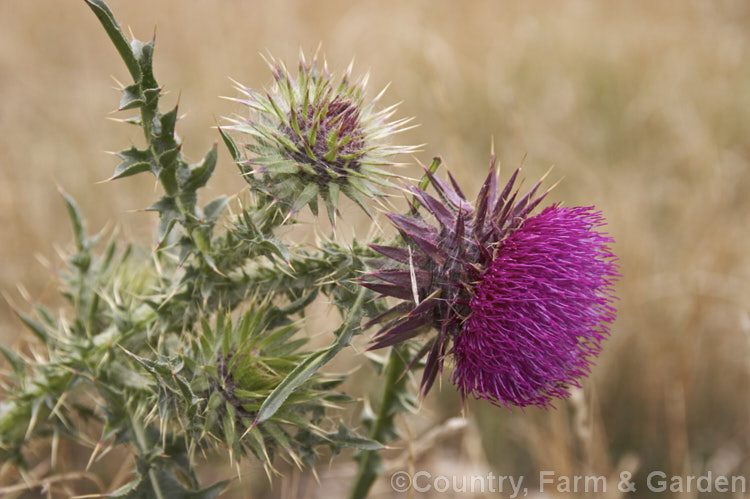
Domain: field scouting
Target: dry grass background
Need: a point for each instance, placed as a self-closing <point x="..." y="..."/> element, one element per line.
<point x="643" y="107"/>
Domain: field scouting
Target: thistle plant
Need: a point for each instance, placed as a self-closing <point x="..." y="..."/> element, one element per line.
<point x="194" y="346"/>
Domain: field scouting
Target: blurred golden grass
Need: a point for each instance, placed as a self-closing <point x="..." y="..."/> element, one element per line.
<point x="643" y="108"/>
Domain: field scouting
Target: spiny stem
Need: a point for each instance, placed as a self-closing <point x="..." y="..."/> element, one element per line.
<point x="370" y="461"/>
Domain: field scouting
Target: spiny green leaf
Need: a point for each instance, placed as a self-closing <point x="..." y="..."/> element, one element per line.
<point x="346" y="438"/>
<point x="39" y="330"/>
<point x="226" y="332"/>
<point x="126" y="489"/>
<point x="167" y="122"/>
<point x="332" y="202"/>
<point x="167" y="158"/>
<point x="229" y="424"/>
<point x="132" y="97"/>
<point x="158" y="369"/>
<point x="202" y="241"/>
<point x="197" y="176"/>
<point x="15" y="361"/>
<point x="213" y="210"/>
<point x="299" y="375"/>
<point x="277" y="434"/>
<point x="277" y="337"/>
<point x="144" y="53"/>
<point x="355" y="196"/>
<point x="255" y="440"/>
<point x="275" y="246"/>
<point x="169" y="214"/>
<point x="214" y="401"/>
<point x="305" y="197"/>
<point x="231" y="146"/>
<point x="76" y="219"/>
<point x="300" y="303"/>
<point x="134" y="161"/>
<point x="169" y="488"/>
<point x="187" y="392"/>
<point x="312" y="363"/>
<point x="108" y="255"/>
<point x="110" y="25"/>
<point x="339" y="398"/>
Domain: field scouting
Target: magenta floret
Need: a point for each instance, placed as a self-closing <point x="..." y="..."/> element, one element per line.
<point x="540" y="310"/>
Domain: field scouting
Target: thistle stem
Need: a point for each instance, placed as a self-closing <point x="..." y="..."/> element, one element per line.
<point x="370" y="461"/>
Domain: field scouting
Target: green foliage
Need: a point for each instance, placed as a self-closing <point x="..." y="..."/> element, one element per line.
<point x="222" y="380"/>
<point x="192" y="346"/>
<point x="162" y="155"/>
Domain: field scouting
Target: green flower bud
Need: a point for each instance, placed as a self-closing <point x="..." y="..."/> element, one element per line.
<point x="316" y="135"/>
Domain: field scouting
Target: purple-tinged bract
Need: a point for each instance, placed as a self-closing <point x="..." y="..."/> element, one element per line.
<point x="539" y="312"/>
<point x="436" y="271"/>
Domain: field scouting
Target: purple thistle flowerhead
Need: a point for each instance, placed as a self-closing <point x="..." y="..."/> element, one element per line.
<point x="540" y="310"/>
<point x="494" y="282"/>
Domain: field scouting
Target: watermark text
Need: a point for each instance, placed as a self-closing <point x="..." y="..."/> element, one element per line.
<point x="547" y="481"/>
